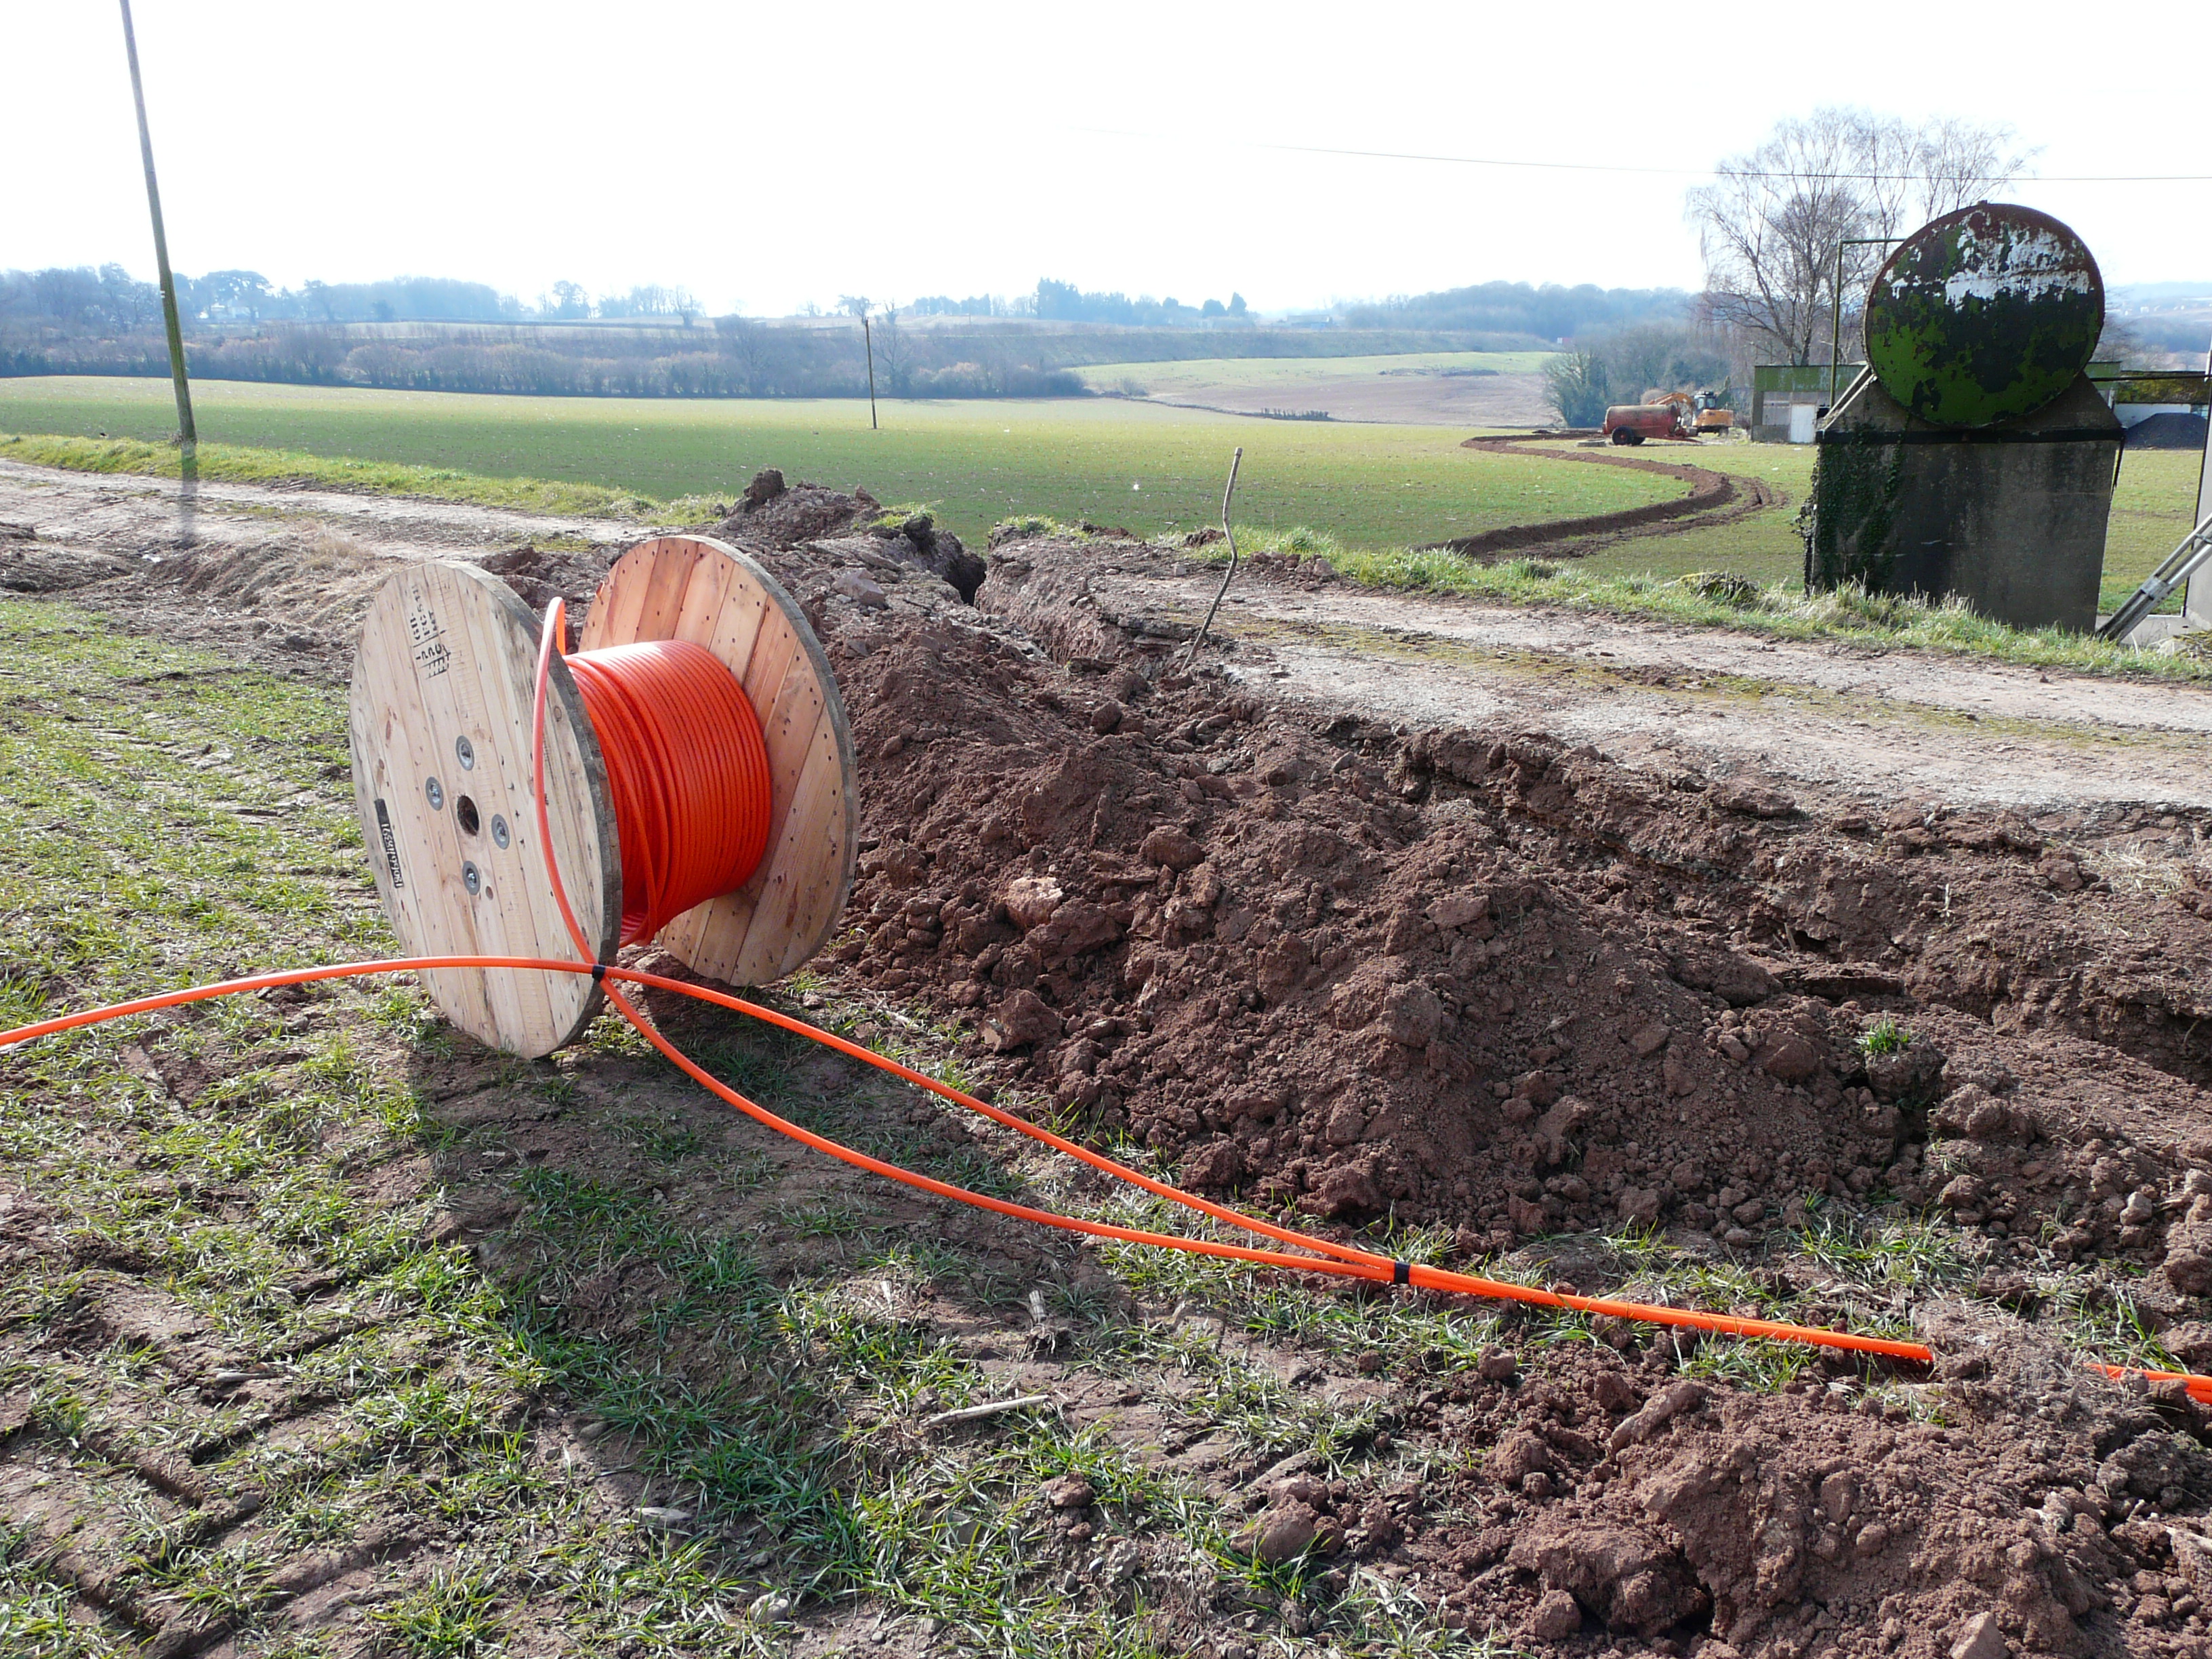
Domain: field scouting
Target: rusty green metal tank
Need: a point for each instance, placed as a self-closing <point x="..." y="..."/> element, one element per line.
<point x="1985" y="315"/>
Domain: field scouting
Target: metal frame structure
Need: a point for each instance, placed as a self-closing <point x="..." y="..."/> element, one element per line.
<point x="1836" y="303"/>
<point x="2187" y="564"/>
<point x="2197" y="603"/>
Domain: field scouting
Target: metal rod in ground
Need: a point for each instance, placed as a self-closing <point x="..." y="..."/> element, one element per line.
<point x="868" y="335"/>
<point x="1190" y="655"/>
<point x="2197" y="600"/>
<point x="187" y="434"/>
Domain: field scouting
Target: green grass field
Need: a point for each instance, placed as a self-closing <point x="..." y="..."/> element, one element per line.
<point x="1150" y="469"/>
<point x="1367" y="486"/>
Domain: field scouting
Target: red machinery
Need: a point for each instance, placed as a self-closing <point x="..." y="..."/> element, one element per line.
<point x="1631" y="423"/>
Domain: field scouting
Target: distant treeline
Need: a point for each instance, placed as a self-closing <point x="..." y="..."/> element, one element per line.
<point x="1550" y="313"/>
<point x="434" y="334"/>
<point x="1066" y="303"/>
<point x="731" y="357"/>
<point x="742" y="359"/>
<point x="111" y="301"/>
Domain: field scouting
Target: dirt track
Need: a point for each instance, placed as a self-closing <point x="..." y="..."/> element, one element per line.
<point x="1877" y="726"/>
<point x="1874" y="726"/>
<point x="123" y="513"/>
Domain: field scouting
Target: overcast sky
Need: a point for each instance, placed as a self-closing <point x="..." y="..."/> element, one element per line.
<point x="764" y="156"/>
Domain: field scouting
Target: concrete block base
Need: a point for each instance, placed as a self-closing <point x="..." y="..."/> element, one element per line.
<point x="2010" y="518"/>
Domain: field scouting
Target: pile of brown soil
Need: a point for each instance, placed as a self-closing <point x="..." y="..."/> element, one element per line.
<point x="1483" y="980"/>
<point x="1615" y="1497"/>
<point x="772" y="513"/>
<point x="1480" y="979"/>
<point x="1474" y="978"/>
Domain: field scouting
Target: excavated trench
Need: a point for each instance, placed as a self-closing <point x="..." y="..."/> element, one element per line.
<point x="1714" y="498"/>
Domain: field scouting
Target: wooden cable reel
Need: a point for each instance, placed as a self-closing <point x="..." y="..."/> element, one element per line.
<point x="443" y="686"/>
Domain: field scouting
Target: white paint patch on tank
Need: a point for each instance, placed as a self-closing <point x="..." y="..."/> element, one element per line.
<point x="2035" y="264"/>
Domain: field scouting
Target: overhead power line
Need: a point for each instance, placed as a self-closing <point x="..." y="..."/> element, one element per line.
<point x="1666" y="171"/>
<point x="1732" y="173"/>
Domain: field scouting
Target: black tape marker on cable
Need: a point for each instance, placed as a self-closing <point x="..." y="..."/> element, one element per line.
<point x="1402" y="1272"/>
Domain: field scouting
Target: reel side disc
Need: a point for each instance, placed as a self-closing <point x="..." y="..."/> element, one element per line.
<point x="443" y="684"/>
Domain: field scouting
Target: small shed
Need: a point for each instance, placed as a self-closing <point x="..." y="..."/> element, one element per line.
<point x="1777" y="389"/>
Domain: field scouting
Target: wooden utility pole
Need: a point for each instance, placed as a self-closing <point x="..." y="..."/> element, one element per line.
<point x="868" y="335"/>
<point x="187" y="434"/>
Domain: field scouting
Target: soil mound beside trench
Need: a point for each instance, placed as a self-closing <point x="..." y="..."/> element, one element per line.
<point x="1475" y="978"/>
<point x="1482" y="979"/>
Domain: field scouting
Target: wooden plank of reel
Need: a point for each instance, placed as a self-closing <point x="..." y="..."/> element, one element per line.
<point x="443" y="684"/>
<point x="696" y="588"/>
<point x="442" y="691"/>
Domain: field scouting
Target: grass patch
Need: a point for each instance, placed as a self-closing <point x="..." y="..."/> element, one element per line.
<point x="1719" y="600"/>
<point x="1884" y="1037"/>
<point x="453" y="1615"/>
<point x="419" y="1382"/>
<point x="236" y="464"/>
<point x="1371" y="487"/>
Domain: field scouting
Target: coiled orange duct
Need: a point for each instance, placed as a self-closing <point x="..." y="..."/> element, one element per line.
<point x="687" y="767"/>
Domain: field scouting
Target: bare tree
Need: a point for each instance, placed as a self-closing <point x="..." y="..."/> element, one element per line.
<point x="1957" y="163"/>
<point x="894" y="352"/>
<point x="1772" y="223"/>
<point x="745" y="342"/>
<point x="568" y="300"/>
<point x="1575" y="385"/>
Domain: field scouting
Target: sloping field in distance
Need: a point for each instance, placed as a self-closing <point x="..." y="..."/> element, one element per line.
<point x="1112" y="462"/>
